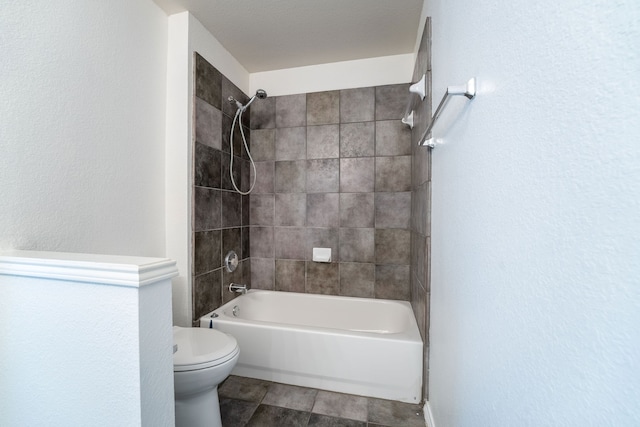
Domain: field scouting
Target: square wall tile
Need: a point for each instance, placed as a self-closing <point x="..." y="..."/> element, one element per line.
<point x="357" y="279"/>
<point x="208" y="124"/>
<point x="291" y="110"/>
<point x="323" y="142"/>
<point x="261" y="245"/>
<point x="323" y="209"/>
<point x="263" y="144"/>
<point x="262" y="209"/>
<point x="421" y="167"/>
<point x="207" y="251"/>
<point x="357" y="245"/>
<point x="245" y="174"/>
<point x="290" y="176"/>
<point x="419" y="306"/>
<point x="393" y="282"/>
<point x="289" y="242"/>
<point x="357" y="139"/>
<point x="291" y="143"/>
<point x="393" y="173"/>
<point x="323" y="176"/>
<point x="246" y="207"/>
<point x="265" y="177"/>
<point x="231" y="209"/>
<point x="207" y="209"/>
<point x="393" y="210"/>
<point x="322" y="278"/>
<point x="263" y="114"/>
<point x="290" y="275"/>
<point x="322" y="238"/>
<point x="392" y="246"/>
<point x="246" y="242"/>
<point x="323" y="108"/>
<point x="357" y="210"/>
<point x="421" y="209"/>
<point x="206" y="166"/>
<point x="393" y="138"/>
<point x="357" y="105"/>
<point x="391" y="101"/>
<point x="208" y="82"/>
<point x="291" y="209"/>
<point x="263" y="272"/>
<point x="225" y="136"/>
<point x="419" y="257"/>
<point x="357" y="175"/>
<point x="207" y="293"/>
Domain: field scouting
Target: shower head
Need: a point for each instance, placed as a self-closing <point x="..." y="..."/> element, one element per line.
<point x="261" y="93"/>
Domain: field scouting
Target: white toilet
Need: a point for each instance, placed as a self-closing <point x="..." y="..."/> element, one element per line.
<point x="203" y="359"/>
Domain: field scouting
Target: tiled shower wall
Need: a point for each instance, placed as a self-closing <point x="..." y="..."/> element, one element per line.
<point x="220" y="220"/>
<point x="421" y="203"/>
<point x="334" y="170"/>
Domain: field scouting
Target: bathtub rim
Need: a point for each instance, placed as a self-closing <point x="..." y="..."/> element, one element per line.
<point x="411" y="334"/>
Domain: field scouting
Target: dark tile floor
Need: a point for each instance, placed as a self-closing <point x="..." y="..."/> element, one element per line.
<point x="252" y="402"/>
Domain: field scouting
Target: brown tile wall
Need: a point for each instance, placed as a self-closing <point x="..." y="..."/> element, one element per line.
<point x="420" y="224"/>
<point x="334" y="170"/>
<point x="220" y="215"/>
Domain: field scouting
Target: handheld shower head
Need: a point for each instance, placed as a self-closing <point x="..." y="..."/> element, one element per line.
<point x="260" y="94"/>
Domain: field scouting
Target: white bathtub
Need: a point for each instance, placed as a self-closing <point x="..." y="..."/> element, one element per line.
<point x="362" y="346"/>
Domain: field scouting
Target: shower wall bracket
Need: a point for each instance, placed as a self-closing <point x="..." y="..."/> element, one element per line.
<point x="408" y="120"/>
<point x="468" y="90"/>
<point x="420" y="87"/>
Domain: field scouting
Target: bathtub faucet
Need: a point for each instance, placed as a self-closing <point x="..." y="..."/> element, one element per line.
<point x="235" y="287"/>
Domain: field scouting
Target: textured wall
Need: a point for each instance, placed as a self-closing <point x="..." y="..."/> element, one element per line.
<point x="82" y="133"/>
<point x="334" y="170"/>
<point x="535" y="225"/>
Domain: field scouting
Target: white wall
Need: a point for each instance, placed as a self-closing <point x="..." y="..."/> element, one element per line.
<point x="82" y="102"/>
<point x="69" y="361"/>
<point x="379" y="71"/>
<point x="535" y="222"/>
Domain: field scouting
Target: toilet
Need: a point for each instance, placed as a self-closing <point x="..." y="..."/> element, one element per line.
<point x="202" y="359"/>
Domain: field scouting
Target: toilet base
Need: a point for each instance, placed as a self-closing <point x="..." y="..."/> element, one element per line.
<point x="201" y="410"/>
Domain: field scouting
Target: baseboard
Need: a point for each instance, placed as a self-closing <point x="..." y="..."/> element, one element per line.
<point x="428" y="417"/>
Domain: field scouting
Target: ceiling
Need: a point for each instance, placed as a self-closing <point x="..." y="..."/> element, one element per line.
<point x="266" y="35"/>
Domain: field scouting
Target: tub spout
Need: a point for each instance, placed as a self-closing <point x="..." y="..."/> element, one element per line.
<point x="235" y="287"/>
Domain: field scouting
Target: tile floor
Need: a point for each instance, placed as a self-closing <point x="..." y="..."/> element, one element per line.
<point x="252" y="402"/>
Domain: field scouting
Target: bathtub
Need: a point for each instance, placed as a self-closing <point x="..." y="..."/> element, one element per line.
<point x="367" y="347"/>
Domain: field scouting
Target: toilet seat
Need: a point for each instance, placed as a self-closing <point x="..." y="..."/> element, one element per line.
<point x="200" y="348"/>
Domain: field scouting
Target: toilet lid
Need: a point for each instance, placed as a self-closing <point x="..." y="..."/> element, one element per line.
<point x="200" y="348"/>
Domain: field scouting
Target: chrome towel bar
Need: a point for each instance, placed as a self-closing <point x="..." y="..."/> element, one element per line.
<point x="468" y="90"/>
